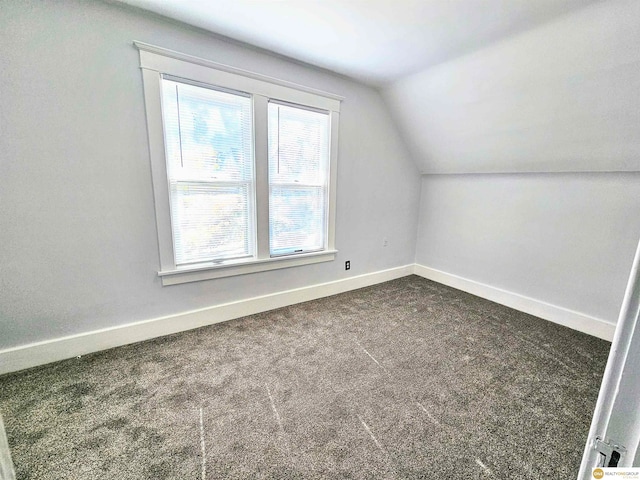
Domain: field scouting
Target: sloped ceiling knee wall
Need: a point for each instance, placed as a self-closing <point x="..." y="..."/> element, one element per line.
<point x="563" y="97"/>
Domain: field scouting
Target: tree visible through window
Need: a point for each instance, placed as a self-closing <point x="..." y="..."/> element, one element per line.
<point x="298" y="179"/>
<point x="208" y="136"/>
<point x="243" y="168"/>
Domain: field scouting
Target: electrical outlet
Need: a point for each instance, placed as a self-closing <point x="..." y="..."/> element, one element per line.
<point x="347" y="265"/>
<point x="385" y="242"/>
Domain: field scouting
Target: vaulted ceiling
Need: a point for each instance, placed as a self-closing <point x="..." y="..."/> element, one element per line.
<point x="475" y="86"/>
<point x="374" y="41"/>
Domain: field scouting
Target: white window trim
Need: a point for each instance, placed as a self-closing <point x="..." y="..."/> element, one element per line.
<point x="156" y="61"/>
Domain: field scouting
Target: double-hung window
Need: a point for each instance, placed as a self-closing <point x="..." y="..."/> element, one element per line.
<point x="298" y="167"/>
<point x="209" y="154"/>
<point x="243" y="168"/>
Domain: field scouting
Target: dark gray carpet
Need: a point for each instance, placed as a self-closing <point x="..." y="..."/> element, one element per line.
<point x="406" y="379"/>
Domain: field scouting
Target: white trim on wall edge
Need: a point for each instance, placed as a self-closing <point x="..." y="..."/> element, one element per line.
<point x="40" y="353"/>
<point x="553" y="313"/>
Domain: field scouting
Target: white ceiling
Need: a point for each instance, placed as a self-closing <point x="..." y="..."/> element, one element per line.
<point x="373" y="41"/>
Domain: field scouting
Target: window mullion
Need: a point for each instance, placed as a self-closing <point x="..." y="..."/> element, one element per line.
<point x="260" y="104"/>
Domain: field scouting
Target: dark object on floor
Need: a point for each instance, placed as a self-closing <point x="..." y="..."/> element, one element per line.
<point x="382" y="382"/>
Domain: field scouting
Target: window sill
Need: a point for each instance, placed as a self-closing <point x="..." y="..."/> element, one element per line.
<point x="211" y="271"/>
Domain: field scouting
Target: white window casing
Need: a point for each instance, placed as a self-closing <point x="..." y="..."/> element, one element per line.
<point x="160" y="65"/>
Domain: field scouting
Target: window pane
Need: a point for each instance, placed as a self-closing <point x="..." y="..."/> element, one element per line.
<point x="298" y="145"/>
<point x="297" y="221"/>
<point x="208" y="140"/>
<point x="209" y="133"/>
<point x="210" y="222"/>
<point x="298" y="175"/>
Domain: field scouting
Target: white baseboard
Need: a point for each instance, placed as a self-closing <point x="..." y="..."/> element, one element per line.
<point x="563" y="316"/>
<point x="31" y="355"/>
<point x="40" y="353"/>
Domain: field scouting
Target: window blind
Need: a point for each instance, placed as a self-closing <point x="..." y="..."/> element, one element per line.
<point x="208" y="140"/>
<point x="298" y="179"/>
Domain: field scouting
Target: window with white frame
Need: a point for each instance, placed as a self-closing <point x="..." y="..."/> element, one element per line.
<point x="243" y="168"/>
<point x="209" y="154"/>
<point x="298" y="180"/>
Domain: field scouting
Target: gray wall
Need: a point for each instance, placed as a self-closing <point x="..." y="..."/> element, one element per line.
<point x="77" y="220"/>
<point x="563" y="97"/>
<point x="564" y="239"/>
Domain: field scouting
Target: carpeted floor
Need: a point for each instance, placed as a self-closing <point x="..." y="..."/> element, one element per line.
<point x="406" y="379"/>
